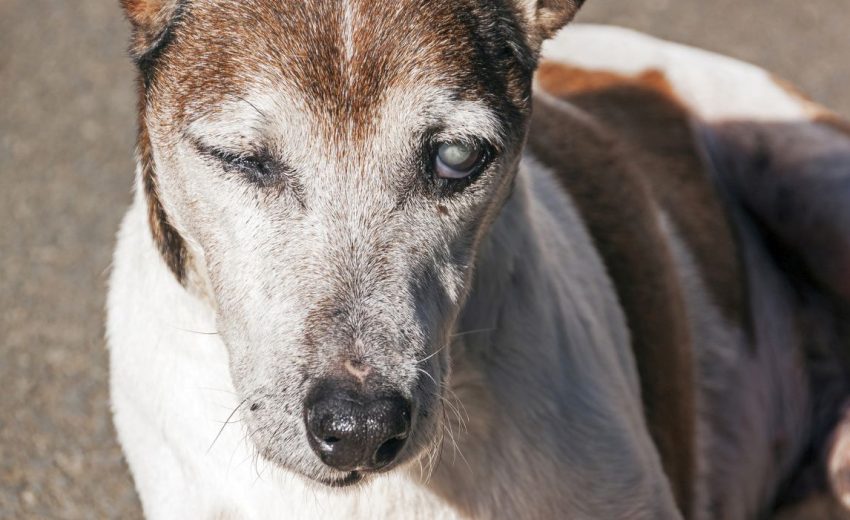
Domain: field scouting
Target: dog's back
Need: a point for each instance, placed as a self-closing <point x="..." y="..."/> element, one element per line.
<point x="717" y="198"/>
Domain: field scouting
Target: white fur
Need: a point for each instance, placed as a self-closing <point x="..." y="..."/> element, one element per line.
<point x="715" y="87"/>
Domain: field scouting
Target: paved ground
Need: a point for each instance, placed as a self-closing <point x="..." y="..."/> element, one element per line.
<point x="66" y="140"/>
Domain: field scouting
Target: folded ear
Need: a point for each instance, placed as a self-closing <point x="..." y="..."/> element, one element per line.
<point x="151" y="20"/>
<point x="546" y="17"/>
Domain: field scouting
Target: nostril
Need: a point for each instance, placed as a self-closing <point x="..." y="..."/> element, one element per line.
<point x="388" y="450"/>
<point x="331" y="440"/>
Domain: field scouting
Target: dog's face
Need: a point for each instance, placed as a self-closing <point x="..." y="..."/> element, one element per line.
<point x="331" y="167"/>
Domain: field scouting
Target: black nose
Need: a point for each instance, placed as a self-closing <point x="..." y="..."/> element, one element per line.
<point x="352" y="431"/>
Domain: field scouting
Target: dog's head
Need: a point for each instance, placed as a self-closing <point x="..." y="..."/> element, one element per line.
<point x="328" y="168"/>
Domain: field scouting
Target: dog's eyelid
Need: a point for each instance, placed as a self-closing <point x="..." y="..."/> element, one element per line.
<point x="235" y="156"/>
<point x="260" y="166"/>
<point x="435" y="137"/>
<point x="224" y="152"/>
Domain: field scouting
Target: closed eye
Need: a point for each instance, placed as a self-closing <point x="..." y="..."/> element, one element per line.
<point x="255" y="164"/>
<point x="259" y="167"/>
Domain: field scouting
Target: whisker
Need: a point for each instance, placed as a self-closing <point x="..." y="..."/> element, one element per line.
<point x="474" y="331"/>
<point x="226" y="422"/>
<point x="260" y="112"/>
<point x="455" y="399"/>
<point x="429" y="356"/>
<point x="438" y="454"/>
<point x="211" y="389"/>
<point x="457" y="450"/>
<point x="454" y="335"/>
<point x="436" y="384"/>
<point x="456" y="412"/>
<point x="199" y="332"/>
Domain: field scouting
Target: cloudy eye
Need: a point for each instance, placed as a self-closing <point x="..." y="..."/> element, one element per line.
<point x="457" y="160"/>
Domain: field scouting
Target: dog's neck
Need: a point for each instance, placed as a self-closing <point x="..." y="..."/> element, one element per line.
<point x="517" y="284"/>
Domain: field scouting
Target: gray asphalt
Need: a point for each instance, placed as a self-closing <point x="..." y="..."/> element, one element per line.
<point x="66" y="143"/>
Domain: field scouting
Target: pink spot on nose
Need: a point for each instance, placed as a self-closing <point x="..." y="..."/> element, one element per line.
<point x="357" y="369"/>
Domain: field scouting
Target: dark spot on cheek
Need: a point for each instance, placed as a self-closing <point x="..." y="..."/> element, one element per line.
<point x="442" y="210"/>
<point x="255" y="407"/>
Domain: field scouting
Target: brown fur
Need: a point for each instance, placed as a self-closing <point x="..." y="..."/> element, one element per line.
<point x="149" y="19"/>
<point x="222" y="49"/>
<point x="624" y="151"/>
<point x="554" y="14"/>
<point x="169" y="242"/>
<point x="656" y="127"/>
<point x="790" y="178"/>
<point x="622" y="216"/>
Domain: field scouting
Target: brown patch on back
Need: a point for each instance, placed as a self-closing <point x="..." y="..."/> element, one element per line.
<point x="618" y="206"/>
<point x="563" y="80"/>
<point x="656" y="129"/>
<point x="624" y="149"/>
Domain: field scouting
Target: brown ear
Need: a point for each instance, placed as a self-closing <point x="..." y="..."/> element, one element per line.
<point x="151" y="20"/>
<point x="547" y="17"/>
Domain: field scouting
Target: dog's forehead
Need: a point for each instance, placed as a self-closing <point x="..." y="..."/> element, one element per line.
<point x="342" y="59"/>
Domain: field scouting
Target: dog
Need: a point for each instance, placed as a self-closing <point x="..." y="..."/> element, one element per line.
<point x="443" y="260"/>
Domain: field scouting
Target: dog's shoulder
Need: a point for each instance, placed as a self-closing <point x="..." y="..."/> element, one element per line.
<point x="651" y="138"/>
<point x="620" y="148"/>
<point x="622" y="144"/>
<point x="649" y="134"/>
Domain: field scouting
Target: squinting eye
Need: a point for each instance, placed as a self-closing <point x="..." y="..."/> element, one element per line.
<point x="259" y="167"/>
<point x="255" y="165"/>
<point x="457" y="160"/>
